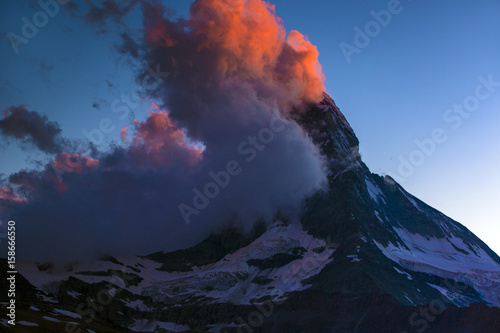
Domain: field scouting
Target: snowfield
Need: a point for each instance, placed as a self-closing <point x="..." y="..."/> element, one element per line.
<point x="228" y="280"/>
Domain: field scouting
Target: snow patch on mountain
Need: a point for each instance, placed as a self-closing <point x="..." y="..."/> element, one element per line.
<point x="137" y="304"/>
<point x="377" y="214"/>
<point x="145" y="325"/>
<point x="439" y="256"/>
<point x="354" y="258"/>
<point x="439" y="253"/>
<point x="375" y="192"/>
<point x="231" y="279"/>
<point x="26" y="323"/>
<point x="68" y="313"/>
<point x="236" y="278"/>
<point x="454" y="297"/>
<point x="408" y="276"/>
<point x="411" y="200"/>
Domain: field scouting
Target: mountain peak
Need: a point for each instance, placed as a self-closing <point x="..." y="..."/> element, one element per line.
<point x="376" y="217"/>
<point x="330" y="131"/>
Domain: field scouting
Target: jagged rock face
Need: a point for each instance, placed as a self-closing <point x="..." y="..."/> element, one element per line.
<point x="390" y="231"/>
<point x="366" y="256"/>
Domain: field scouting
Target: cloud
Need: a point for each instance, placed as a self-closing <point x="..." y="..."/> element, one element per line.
<point x="98" y="14"/>
<point x="8" y="195"/>
<point x="158" y="142"/>
<point x="235" y="81"/>
<point x="226" y="44"/>
<point x="31" y="128"/>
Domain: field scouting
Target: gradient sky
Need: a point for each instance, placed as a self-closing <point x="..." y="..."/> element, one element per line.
<point x="394" y="91"/>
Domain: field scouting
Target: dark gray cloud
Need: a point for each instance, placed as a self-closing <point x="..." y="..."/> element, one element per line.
<point x="31" y="128"/>
<point x="101" y="11"/>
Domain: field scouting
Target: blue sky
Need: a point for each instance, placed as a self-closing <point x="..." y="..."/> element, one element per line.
<point x="399" y="87"/>
<point x="395" y="91"/>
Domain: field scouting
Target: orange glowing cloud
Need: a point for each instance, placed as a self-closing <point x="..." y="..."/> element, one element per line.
<point x="244" y="40"/>
<point x="65" y="162"/>
<point x="159" y="141"/>
<point x="123" y="134"/>
<point x="308" y="70"/>
<point x="248" y="34"/>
